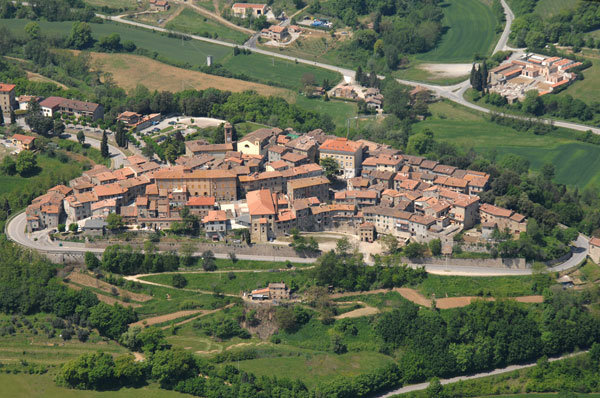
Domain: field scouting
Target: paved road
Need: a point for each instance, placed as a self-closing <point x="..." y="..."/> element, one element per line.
<point x="217" y="17"/>
<point x="15" y="230"/>
<point x="116" y="155"/>
<point x="508" y="14"/>
<point x="422" y="386"/>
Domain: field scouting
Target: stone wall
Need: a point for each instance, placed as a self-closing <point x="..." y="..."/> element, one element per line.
<point x="504" y="263"/>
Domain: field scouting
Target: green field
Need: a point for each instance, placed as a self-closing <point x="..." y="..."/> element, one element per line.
<point x="34" y="386"/>
<point x="118" y="4"/>
<point x="242" y="281"/>
<point x="48" y="167"/>
<point x="471" y="30"/>
<point x="339" y="111"/>
<point x="547" y="8"/>
<point x="192" y="22"/>
<point x="577" y="163"/>
<point x="316" y="368"/>
<point x="496" y="286"/>
<point x="193" y="52"/>
<point x="586" y="89"/>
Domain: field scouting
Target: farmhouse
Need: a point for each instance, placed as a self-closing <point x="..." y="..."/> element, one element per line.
<point x="23" y="141"/>
<point x="160" y="5"/>
<point x="242" y="10"/>
<point x="275" y="32"/>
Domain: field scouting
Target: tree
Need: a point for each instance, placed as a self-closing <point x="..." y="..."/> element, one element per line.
<point x="435" y="246"/>
<point x="548" y="171"/>
<point x="61" y="227"/>
<point x="208" y="261"/>
<point x="337" y="344"/>
<point x="420" y="143"/>
<point x="73" y="227"/>
<point x="89" y="371"/>
<point x="104" y="146"/>
<point x="532" y="103"/>
<point x="414" y="250"/>
<point x="8" y="165"/>
<point x="285" y="318"/>
<point x="114" y="222"/>
<point x="171" y="366"/>
<point x="343" y="246"/>
<point x="33" y="30"/>
<point x="179" y="281"/>
<point x="59" y="127"/>
<point x="26" y="163"/>
<point x="81" y="137"/>
<point x="91" y="261"/>
<point x="390" y="243"/>
<point x="81" y="35"/>
<point x="330" y="167"/>
<point x="435" y="389"/>
<point x="36" y="120"/>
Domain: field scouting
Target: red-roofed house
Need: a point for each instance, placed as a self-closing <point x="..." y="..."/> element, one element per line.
<point x="23" y="141"/>
<point x="503" y="218"/>
<point x="7" y="100"/>
<point x="200" y="205"/>
<point x="348" y="154"/>
<point x="263" y="213"/>
<point x="215" y="224"/>
<point x="594" y="252"/>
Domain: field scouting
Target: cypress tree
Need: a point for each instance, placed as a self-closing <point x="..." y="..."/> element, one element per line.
<point x="104" y="146"/>
<point x="484" y="74"/>
<point x="471" y="78"/>
<point x="359" y="75"/>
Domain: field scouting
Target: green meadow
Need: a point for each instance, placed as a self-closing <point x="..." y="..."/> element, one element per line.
<point x="577" y="163"/>
<point x="470" y="27"/>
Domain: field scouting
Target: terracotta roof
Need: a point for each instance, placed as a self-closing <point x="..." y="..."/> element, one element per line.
<point x="286" y="215"/>
<point x="307" y="182"/>
<point x="104" y="203"/>
<point x="200" y="146"/>
<point x="248" y="5"/>
<point x="136" y="159"/>
<point x="495" y="211"/>
<point x="215" y="216"/>
<point x="293" y="157"/>
<point x="260" y="203"/>
<point x="277" y="149"/>
<point x="201" y="201"/>
<point x="62" y="189"/>
<point x="196" y="174"/>
<point x="109" y="190"/>
<point x="79" y="105"/>
<point x="5" y="88"/>
<point x="85" y="197"/>
<point x="595" y="242"/>
<point x="141" y="201"/>
<point x="277" y="28"/>
<point x="25" y="139"/>
<point x="340" y="145"/>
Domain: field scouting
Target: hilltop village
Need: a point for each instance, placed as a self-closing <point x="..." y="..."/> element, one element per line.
<point x="274" y="180"/>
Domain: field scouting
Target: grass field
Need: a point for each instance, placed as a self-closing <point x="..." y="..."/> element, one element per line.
<point x="471" y="30"/>
<point x="317" y="368"/>
<point x="259" y="67"/>
<point x="586" y="89"/>
<point x="547" y="8"/>
<point x="243" y="282"/>
<point x="192" y="22"/>
<point x="48" y="167"/>
<point x="118" y="4"/>
<point x="496" y="286"/>
<point x="34" y="386"/>
<point x="129" y="70"/>
<point x="577" y="163"/>
<point x="339" y="111"/>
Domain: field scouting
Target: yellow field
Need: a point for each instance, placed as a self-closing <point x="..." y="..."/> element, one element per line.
<point x="130" y="70"/>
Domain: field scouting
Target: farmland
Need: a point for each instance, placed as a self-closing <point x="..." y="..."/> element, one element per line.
<point x="130" y="70"/>
<point x="189" y="21"/>
<point x="576" y="162"/>
<point x="193" y="53"/>
<point x="547" y="8"/>
<point x="471" y="30"/>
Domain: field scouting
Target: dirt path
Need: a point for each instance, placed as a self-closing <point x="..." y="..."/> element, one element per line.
<point x="139" y="356"/>
<point x="357" y="313"/>
<point x="165" y="318"/>
<point x="204" y="313"/>
<point x="216" y="17"/>
<point x="441" y="303"/>
<point x="106" y="299"/>
<point x="89" y="281"/>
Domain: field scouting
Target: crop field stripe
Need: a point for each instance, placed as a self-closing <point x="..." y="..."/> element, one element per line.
<point x="471" y="29"/>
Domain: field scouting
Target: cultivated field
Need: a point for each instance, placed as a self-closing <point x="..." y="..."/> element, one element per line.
<point x="576" y="162"/>
<point x="586" y="89"/>
<point x="189" y="21"/>
<point x="193" y="53"/>
<point x="471" y="30"/>
<point x="130" y="70"/>
<point x="547" y="8"/>
<point x="28" y="386"/>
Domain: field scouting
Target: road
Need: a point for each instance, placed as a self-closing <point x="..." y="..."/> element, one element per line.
<point x="116" y="155"/>
<point x="422" y="386"/>
<point x="502" y="42"/>
<point x="217" y="17"/>
<point x="39" y="240"/>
